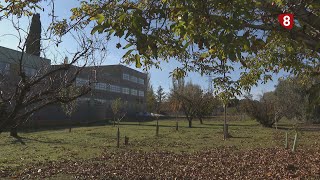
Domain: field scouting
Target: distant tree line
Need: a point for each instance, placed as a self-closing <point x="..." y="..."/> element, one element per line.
<point x="294" y="98"/>
<point x="184" y="98"/>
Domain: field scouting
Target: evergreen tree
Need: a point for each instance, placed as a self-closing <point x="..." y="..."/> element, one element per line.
<point x="151" y="98"/>
<point x="33" y="44"/>
<point x="160" y="96"/>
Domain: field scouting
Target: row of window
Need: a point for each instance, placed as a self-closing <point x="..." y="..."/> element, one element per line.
<point x="132" y="78"/>
<point x="111" y="87"/>
<point x="108" y="101"/>
<point x="5" y="69"/>
<point x="83" y="99"/>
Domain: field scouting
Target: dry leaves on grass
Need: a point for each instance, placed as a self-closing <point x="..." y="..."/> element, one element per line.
<point x="219" y="163"/>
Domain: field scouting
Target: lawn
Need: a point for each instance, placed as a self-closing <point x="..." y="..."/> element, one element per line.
<point x="87" y="143"/>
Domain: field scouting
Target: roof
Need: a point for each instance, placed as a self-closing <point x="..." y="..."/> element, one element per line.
<point x="29" y="60"/>
<point x="122" y="66"/>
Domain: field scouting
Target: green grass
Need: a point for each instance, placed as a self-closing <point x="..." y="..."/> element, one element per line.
<point x="90" y="142"/>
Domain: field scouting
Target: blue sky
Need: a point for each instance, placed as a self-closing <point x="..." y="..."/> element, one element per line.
<point x="158" y="77"/>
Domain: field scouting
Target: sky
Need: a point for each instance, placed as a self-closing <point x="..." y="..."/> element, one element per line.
<point x="159" y="77"/>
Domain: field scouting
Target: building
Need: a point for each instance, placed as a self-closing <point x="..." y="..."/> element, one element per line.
<point x="10" y="59"/>
<point x="110" y="82"/>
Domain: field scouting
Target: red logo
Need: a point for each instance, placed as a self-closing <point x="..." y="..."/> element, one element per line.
<point x="286" y="20"/>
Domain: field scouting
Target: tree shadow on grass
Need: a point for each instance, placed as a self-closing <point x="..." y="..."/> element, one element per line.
<point x="241" y="137"/>
<point x="24" y="140"/>
<point x="18" y="140"/>
<point x="173" y="126"/>
<point x="309" y="129"/>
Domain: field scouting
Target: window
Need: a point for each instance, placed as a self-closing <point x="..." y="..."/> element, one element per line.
<point x="94" y="75"/>
<point x="141" y="81"/>
<point x="100" y="100"/>
<point x="126" y="77"/>
<point x="30" y="71"/>
<point x="125" y="90"/>
<point x="141" y="93"/>
<point x="82" y="99"/>
<point x="81" y="82"/>
<point x="114" y="88"/>
<point x="4" y="68"/>
<point x="100" y="86"/>
<point x="134" y="79"/>
<point x="134" y="92"/>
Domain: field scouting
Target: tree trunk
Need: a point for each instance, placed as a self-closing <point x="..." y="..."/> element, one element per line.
<point x="177" y="126"/>
<point x="118" y="137"/>
<point x="190" y="123"/>
<point x="70" y="126"/>
<point x="225" y="129"/>
<point x="157" y="128"/>
<point x="126" y="140"/>
<point x="14" y="132"/>
<point x="200" y="118"/>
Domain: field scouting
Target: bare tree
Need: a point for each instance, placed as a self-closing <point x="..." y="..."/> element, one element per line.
<point x="188" y="96"/>
<point x="70" y="107"/>
<point x="30" y="83"/>
<point x="119" y="111"/>
<point x="118" y="108"/>
<point x="206" y="103"/>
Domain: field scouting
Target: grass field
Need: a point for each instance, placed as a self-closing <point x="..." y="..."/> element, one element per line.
<point x="90" y="142"/>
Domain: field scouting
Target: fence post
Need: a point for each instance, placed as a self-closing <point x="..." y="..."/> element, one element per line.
<point x="295" y="142"/>
<point x="157" y="128"/>
<point x="118" y="138"/>
<point x="286" y="141"/>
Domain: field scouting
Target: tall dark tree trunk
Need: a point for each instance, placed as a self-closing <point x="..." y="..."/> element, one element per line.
<point x="190" y="123"/>
<point x="70" y="126"/>
<point x="14" y="132"/>
<point x="200" y="119"/>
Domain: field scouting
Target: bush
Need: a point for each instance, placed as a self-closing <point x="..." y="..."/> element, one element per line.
<point x="262" y="111"/>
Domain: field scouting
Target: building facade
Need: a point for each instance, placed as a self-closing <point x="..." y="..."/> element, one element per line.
<point x="110" y="82"/>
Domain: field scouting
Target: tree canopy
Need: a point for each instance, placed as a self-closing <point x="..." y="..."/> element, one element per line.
<point x="203" y="34"/>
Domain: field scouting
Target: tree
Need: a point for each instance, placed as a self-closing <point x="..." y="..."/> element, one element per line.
<point x="24" y="93"/>
<point x="205" y="105"/>
<point x="264" y="110"/>
<point x="292" y="98"/>
<point x="174" y="103"/>
<point x="69" y="107"/>
<point x="151" y="98"/>
<point x="199" y="33"/>
<point x="119" y="111"/>
<point x="189" y="96"/>
<point x="160" y="96"/>
<point x="177" y="86"/>
<point x="299" y="97"/>
<point x="33" y="44"/>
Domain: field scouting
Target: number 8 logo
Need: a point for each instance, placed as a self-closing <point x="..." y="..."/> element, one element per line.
<point x="286" y="20"/>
